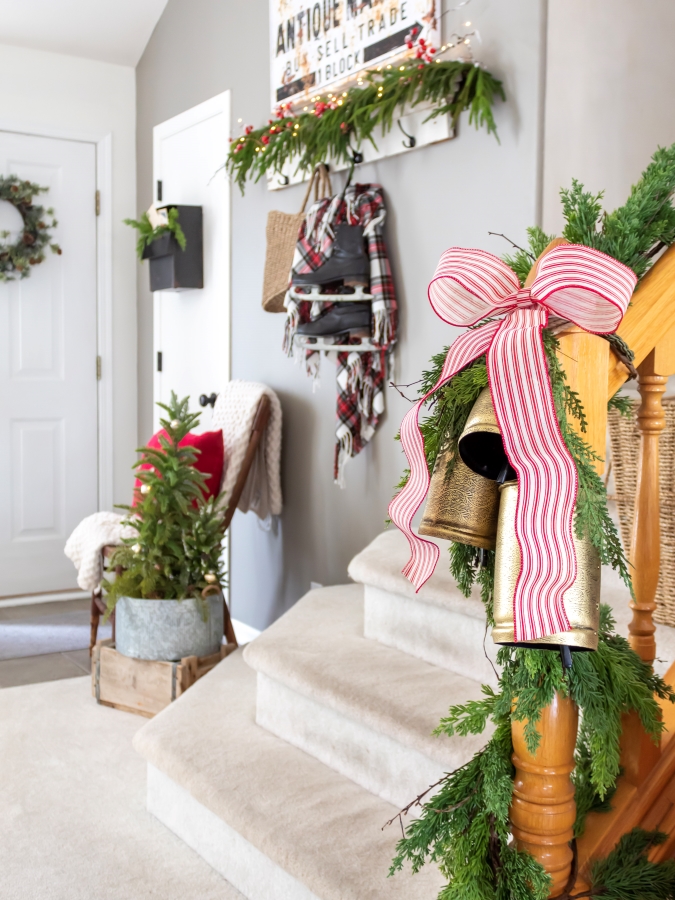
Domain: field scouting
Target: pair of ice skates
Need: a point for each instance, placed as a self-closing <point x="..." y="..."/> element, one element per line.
<point x="347" y="270"/>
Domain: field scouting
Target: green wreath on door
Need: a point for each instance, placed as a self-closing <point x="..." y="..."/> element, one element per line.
<point x="17" y="259"/>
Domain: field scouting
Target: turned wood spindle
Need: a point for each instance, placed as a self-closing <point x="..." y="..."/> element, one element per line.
<point x="646" y="534"/>
<point x="543" y="808"/>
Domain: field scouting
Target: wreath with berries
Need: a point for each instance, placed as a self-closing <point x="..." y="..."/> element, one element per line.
<point x="17" y="259"/>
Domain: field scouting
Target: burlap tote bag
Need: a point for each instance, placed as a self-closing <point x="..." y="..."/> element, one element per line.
<point x="282" y="235"/>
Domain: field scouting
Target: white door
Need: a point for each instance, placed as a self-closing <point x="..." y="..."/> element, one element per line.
<point x="48" y="388"/>
<point x="192" y="328"/>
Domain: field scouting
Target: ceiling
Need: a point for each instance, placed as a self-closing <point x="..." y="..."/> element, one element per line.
<point x="115" y="31"/>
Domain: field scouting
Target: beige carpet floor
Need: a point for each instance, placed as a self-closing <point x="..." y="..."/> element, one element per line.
<point x="73" y="824"/>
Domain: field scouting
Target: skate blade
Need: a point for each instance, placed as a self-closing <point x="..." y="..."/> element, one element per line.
<point x="313" y="293"/>
<point x="326" y="344"/>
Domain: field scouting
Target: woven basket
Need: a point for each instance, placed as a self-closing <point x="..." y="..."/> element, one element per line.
<point x="282" y="235"/>
<point x="625" y="445"/>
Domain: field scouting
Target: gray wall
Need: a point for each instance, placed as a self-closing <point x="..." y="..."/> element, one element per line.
<point x="608" y="100"/>
<point x="451" y="193"/>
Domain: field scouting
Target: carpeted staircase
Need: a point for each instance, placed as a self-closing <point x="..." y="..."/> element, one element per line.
<point x="282" y="765"/>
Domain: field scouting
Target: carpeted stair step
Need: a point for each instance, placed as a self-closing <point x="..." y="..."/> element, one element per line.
<point x="440" y="625"/>
<point x="274" y="821"/>
<point x="437" y="624"/>
<point x="364" y="709"/>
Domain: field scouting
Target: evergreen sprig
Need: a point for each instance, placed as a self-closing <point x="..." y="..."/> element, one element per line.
<point x="147" y="233"/>
<point x="176" y="551"/>
<point x="328" y="131"/>
<point x="635" y="233"/>
<point x="628" y="874"/>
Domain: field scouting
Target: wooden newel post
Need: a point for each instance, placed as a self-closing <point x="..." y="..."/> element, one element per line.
<point x="543" y="810"/>
<point x="646" y="536"/>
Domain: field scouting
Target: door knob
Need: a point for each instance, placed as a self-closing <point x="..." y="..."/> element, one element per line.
<point x="208" y="401"/>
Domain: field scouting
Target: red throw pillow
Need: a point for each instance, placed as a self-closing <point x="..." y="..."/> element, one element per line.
<point x="210" y="461"/>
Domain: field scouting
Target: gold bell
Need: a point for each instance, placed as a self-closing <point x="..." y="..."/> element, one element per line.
<point x="480" y="444"/>
<point x="461" y="506"/>
<point x="582" y="599"/>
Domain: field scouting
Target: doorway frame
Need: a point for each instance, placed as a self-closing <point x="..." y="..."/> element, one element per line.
<point x="104" y="288"/>
<point x="220" y="103"/>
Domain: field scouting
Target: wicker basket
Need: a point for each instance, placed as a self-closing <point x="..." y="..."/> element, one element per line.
<point x="625" y="445"/>
<point x="282" y="235"/>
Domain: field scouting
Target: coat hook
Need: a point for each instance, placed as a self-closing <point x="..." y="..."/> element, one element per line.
<point x="411" y="142"/>
<point x="357" y="156"/>
<point x="284" y="180"/>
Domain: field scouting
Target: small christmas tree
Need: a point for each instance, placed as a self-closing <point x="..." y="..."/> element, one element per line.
<point x="177" y="550"/>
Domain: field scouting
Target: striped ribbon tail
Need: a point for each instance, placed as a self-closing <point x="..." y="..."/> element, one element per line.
<point x="547" y="476"/>
<point x="424" y="554"/>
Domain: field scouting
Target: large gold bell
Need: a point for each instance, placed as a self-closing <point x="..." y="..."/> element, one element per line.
<point x="480" y="444"/>
<point x="582" y="599"/>
<point x="461" y="506"/>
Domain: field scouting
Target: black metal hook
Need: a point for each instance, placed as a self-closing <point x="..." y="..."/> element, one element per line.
<point x="411" y="142"/>
<point x="284" y="180"/>
<point x="357" y="156"/>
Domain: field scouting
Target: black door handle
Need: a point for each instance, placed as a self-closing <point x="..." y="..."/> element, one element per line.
<point x="208" y="401"/>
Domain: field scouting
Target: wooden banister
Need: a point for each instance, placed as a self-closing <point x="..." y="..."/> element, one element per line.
<point x="650" y="317"/>
<point x="645" y="542"/>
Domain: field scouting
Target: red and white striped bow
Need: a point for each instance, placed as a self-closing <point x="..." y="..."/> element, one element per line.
<point x="574" y="282"/>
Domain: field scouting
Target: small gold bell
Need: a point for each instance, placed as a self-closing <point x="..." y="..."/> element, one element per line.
<point x="461" y="506"/>
<point x="480" y="444"/>
<point x="582" y="599"/>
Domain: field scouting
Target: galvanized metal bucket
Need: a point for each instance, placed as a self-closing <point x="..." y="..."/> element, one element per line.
<point x="168" y="629"/>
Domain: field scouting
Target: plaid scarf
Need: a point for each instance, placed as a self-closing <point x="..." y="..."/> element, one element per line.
<point x="360" y="376"/>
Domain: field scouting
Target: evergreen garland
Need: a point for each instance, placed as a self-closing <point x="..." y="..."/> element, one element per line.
<point x="326" y="132"/>
<point x="177" y="549"/>
<point x="465" y="827"/>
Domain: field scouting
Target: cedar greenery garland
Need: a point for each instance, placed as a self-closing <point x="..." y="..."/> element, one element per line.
<point x="326" y="132"/>
<point x="465" y="827"/>
<point x="28" y="250"/>
<point x="177" y="549"/>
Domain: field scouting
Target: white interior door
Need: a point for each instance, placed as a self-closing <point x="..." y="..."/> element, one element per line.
<point x="48" y="388"/>
<point x="192" y="328"/>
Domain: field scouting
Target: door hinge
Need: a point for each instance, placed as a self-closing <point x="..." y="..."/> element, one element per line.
<point x="159" y="360"/>
<point x="97" y="203"/>
<point x="98" y="368"/>
<point x="159" y="191"/>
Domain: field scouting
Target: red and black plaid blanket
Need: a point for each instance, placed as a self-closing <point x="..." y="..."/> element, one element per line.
<point x="360" y="376"/>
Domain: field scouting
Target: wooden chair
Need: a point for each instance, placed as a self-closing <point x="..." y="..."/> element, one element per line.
<point x="543" y="810"/>
<point x="98" y="604"/>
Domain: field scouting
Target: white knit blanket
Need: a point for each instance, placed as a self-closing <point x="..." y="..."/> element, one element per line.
<point x="86" y="542"/>
<point x="234" y="412"/>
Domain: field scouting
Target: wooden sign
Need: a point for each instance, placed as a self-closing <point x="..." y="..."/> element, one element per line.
<point x="321" y="46"/>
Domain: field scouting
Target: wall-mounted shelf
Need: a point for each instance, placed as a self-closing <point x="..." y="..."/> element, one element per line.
<point x="409" y="133"/>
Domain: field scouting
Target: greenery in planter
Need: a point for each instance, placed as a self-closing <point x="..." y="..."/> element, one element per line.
<point x="147" y="233"/>
<point x="28" y="250"/>
<point x="177" y="549"/>
<point x="326" y="132"/>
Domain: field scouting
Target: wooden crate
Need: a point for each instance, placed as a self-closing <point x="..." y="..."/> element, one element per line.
<point x="143" y="686"/>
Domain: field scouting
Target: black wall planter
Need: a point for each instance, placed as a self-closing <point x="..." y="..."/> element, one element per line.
<point x="173" y="269"/>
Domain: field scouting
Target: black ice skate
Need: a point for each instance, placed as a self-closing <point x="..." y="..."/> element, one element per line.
<point x="347" y="267"/>
<point x="341" y="320"/>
